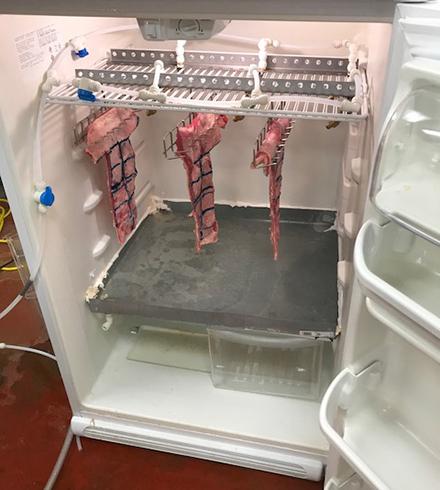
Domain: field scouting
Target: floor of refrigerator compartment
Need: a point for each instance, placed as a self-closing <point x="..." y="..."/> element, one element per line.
<point x="36" y="414"/>
<point x="233" y="283"/>
<point x="174" y="397"/>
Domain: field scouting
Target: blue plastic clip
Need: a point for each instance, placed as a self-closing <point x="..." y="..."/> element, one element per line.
<point x="82" y="53"/>
<point x="87" y="95"/>
<point x="47" y="197"/>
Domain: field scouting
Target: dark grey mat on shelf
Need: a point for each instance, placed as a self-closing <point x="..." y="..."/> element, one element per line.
<point x="233" y="283"/>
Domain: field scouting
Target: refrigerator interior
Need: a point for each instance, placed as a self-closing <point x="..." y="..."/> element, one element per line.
<point x="98" y="364"/>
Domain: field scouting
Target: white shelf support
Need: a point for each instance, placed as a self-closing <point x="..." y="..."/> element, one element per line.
<point x="101" y="246"/>
<point x="180" y="53"/>
<point x="263" y="44"/>
<point x="354" y="75"/>
<point x="92" y="201"/>
<point x="154" y="92"/>
<point x="257" y="97"/>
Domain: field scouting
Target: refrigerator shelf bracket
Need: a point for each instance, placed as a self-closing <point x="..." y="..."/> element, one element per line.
<point x="274" y="62"/>
<point x="220" y="79"/>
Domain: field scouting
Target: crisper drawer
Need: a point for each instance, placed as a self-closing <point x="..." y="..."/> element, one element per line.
<point x="270" y="363"/>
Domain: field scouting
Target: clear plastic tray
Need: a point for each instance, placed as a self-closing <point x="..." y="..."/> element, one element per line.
<point x="270" y="363"/>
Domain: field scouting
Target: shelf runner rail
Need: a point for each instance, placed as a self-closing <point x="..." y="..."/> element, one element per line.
<point x="276" y="62"/>
<point x="224" y="82"/>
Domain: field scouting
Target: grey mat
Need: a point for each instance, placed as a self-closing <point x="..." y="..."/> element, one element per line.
<point x="233" y="283"/>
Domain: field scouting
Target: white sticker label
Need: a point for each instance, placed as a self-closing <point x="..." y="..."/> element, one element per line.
<point x="36" y="46"/>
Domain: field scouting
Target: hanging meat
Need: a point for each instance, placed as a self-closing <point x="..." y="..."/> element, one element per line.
<point x="108" y="143"/>
<point x="275" y="133"/>
<point x="194" y="142"/>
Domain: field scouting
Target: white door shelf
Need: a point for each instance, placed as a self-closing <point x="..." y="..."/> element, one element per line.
<point x="354" y="482"/>
<point x="407" y="170"/>
<point x="383" y="438"/>
<point x="401" y="269"/>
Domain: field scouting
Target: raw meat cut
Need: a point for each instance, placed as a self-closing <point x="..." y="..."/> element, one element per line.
<point x="264" y="157"/>
<point x="108" y="142"/>
<point x="194" y="142"/>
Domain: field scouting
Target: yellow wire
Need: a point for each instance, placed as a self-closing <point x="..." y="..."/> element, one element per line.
<point x="2" y="217"/>
<point x="4" y="213"/>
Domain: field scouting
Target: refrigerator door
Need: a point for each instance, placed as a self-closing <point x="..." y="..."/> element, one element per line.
<point x="406" y="175"/>
<point x="380" y="411"/>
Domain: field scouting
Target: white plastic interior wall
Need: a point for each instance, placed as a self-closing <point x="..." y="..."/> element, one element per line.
<point x="316" y="173"/>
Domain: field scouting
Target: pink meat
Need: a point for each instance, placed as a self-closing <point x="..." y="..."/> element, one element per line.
<point x="276" y="130"/>
<point x="194" y="142"/>
<point x="108" y="142"/>
<point x="271" y="141"/>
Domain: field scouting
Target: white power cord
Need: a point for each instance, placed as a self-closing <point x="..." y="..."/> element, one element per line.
<point x="17" y="299"/>
<point x="60" y="460"/>
<point x="37" y="174"/>
<point x="27" y="349"/>
<point x="69" y="435"/>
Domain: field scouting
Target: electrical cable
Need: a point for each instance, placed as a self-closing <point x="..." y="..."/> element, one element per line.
<point x="17" y="299"/>
<point x="60" y="460"/>
<point x="3" y="215"/>
<point x="5" y="265"/>
<point x="37" y="172"/>
<point x="69" y="435"/>
<point x="27" y="349"/>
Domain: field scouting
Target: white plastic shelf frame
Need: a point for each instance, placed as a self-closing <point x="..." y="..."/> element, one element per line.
<point x="297" y="86"/>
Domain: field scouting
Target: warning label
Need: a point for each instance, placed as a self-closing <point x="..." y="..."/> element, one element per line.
<point x="36" y="46"/>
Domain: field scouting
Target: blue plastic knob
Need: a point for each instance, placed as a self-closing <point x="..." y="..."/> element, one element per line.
<point x="47" y="197"/>
<point x="87" y="95"/>
<point x="82" y="53"/>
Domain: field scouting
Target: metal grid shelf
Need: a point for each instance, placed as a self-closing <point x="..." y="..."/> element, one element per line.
<point x="194" y="101"/>
<point x="236" y="79"/>
<point x="297" y="94"/>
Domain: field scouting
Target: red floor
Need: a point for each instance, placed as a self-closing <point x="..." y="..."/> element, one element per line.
<point x="34" y="415"/>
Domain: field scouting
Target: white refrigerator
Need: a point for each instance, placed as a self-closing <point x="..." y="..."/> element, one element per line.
<point x="324" y="363"/>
